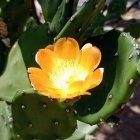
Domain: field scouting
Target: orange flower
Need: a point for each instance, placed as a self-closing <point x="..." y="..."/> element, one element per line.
<point x="66" y="71"/>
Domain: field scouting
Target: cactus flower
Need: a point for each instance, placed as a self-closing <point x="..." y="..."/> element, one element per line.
<point x="66" y="71"/>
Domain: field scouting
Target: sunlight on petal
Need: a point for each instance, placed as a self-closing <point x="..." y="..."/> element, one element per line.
<point x="46" y="59"/>
<point x="66" y="48"/>
<point x="94" y="79"/>
<point x="65" y="71"/>
<point x="90" y="57"/>
<point x="74" y="87"/>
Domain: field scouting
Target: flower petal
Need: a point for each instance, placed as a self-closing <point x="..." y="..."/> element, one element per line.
<point x="94" y="79"/>
<point x="33" y="70"/>
<point x="42" y="85"/>
<point x="61" y="62"/>
<point x="52" y="93"/>
<point x="67" y="48"/>
<point x="46" y="58"/>
<point x="78" y="94"/>
<point x="90" y="57"/>
<point x="39" y="82"/>
<point x="51" y="47"/>
<point x="76" y="87"/>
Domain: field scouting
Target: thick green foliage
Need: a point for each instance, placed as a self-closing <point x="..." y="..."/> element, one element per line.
<point x="96" y="28"/>
<point x="81" y="19"/>
<point x="125" y="80"/>
<point x="49" y="8"/>
<point x="99" y="94"/>
<point x="62" y="15"/>
<point x="26" y="115"/>
<point x="21" y="57"/>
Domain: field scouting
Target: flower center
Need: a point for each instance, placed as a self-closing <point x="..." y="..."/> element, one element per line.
<point x="67" y="72"/>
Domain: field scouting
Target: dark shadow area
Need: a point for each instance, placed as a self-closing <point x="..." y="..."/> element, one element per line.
<point x="99" y="94"/>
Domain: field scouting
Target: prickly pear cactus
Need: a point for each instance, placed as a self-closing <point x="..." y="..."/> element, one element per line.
<point x="34" y="118"/>
<point x="119" y="85"/>
<point x="5" y="121"/>
<point x="27" y="115"/>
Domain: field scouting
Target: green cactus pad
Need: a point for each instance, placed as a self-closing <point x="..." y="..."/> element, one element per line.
<point x="81" y="19"/>
<point x="82" y="130"/>
<point x="99" y="94"/>
<point x="15" y="76"/>
<point x="49" y="8"/>
<point x="37" y="117"/>
<point x="62" y="15"/>
<point x="75" y="5"/>
<point x="126" y="78"/>
<point x="5" y="121"/>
